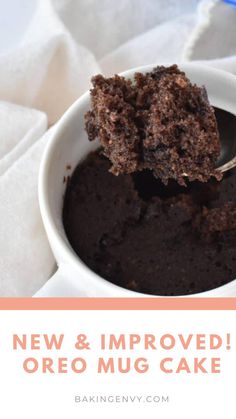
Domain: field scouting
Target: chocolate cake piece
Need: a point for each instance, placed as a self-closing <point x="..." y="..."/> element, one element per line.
<point x="113" y="120"/>
<point x="160" y="122"/>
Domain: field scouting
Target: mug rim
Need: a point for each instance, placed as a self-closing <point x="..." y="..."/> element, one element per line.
<point x="49" y="223"/>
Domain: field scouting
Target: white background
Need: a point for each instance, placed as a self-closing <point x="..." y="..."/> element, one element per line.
<point x="52" y="395"/>
<point x="15" y="16"/>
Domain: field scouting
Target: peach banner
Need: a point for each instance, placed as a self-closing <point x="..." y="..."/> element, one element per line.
<point x="118" y="303"/>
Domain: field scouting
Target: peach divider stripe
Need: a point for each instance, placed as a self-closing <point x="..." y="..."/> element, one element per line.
<point x="118" y="303"/>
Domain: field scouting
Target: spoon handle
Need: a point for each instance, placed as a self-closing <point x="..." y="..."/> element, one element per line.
<point x="227" y="166"/>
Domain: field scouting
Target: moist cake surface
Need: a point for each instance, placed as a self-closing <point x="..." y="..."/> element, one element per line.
<point x="139" y="234"/>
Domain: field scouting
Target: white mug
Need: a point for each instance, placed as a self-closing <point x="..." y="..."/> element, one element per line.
<point x="69" y="145"/>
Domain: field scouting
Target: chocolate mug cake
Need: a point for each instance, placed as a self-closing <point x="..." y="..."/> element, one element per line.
<point x="132" y="229"/>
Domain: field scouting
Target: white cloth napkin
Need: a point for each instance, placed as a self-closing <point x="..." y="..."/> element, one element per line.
<point x="65" y="43"/>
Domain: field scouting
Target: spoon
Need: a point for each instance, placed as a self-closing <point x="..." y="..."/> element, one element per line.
<point x="227" y="130"/>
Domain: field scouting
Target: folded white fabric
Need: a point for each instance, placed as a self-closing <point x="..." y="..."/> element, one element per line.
<point x="20" y="128"/>
<point x="68" y="41"/>
<point x="26" y="259"/>
<point x="214" y="34"/>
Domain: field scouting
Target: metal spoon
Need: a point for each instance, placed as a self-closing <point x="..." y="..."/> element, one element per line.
<point x="227" y="129"/>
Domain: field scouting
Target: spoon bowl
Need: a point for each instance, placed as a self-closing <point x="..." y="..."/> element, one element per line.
<point x="227" y="129"/>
